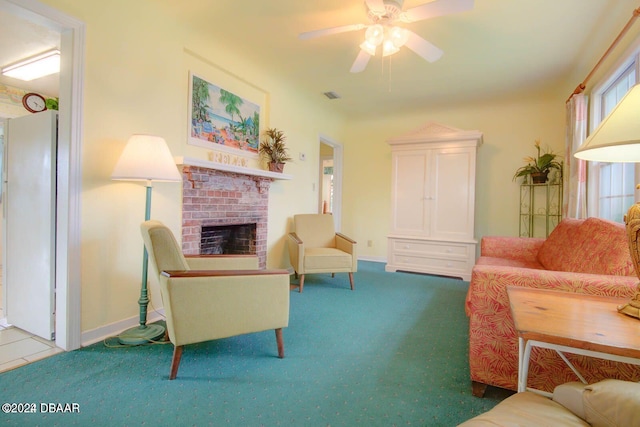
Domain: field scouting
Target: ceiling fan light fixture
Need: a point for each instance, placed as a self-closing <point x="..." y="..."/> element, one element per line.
<point x="374" y="34"/>
<point x="388" y="48"/>
<point x="398" y="36"/>
<point x="368" y="47"/>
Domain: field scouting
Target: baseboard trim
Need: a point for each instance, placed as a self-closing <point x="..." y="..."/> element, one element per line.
<point x="112" y="330"/>
<point x="372" y="258"/>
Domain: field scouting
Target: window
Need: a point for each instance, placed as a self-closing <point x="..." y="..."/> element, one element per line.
<point x="612" y="185"/>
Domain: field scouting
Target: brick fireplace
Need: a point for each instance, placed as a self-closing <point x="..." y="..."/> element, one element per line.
<point x="212" y="197"/>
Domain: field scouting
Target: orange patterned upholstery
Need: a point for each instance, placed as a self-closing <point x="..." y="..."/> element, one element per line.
<point x="597" y="247"/>
<point x="585" y="245"/>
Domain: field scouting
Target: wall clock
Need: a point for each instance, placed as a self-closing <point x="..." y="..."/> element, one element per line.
<point x="34" y="102"/>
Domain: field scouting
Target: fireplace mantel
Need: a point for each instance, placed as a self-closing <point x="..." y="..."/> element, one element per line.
<point x="190" y="161"/>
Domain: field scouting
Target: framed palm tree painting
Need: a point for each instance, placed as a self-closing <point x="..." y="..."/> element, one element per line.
<point x="220" y="119"/>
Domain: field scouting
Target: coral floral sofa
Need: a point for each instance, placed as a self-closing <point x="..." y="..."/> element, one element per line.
<point x="584" y="256"/>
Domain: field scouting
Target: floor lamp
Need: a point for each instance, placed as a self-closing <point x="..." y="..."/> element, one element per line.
<point x="145" y="158"/>
<point x="617" y="139"/>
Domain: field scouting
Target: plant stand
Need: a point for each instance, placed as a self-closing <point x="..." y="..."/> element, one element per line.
<point x="540" y="208"/>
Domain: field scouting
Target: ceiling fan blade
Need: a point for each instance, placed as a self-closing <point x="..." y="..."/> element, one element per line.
<point x="329" y="31"/>
<point x="376" y="6"/>
<point x="423" y="48"/>
<point x="436" y="8"/>
<point x="361" y="62"/>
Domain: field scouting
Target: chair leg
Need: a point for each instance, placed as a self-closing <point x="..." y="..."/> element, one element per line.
<point x="175" y="362"/>
<point x="478" y="389"/>
<point x="301" y="283"/>
<point x="351" y="280"/>
<point x="280" y="342"/>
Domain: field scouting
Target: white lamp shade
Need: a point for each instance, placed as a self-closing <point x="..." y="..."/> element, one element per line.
<point x="146" y="157"/>
<point x="616" y="139"/>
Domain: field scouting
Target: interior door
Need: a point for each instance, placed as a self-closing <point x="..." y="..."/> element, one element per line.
<point x="29" y="222"/>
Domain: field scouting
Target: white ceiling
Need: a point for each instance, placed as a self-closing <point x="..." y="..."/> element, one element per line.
<point x="20" y="39"/>
<point x="500" y="47"/>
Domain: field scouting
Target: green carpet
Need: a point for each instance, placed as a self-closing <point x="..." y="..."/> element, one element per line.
<point x="393" y="352"/>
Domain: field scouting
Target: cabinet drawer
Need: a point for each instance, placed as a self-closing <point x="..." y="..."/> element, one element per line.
<point x="434" y="248"/>
<point x="453" y="265"/>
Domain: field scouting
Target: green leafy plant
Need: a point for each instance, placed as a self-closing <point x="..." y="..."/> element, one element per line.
<point x="543" y="163"/>
<point x="273" y="148"/>
<point x="52" y="103"/>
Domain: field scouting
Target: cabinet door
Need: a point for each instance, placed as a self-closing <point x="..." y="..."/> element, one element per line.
<point x="409" y="190"/>
<point x="451" y="193"/>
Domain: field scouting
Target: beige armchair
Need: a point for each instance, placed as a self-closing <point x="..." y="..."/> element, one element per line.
<point x="607" y="403"/>
<point x="315" y="247"/>
<point x="212" y="297"/>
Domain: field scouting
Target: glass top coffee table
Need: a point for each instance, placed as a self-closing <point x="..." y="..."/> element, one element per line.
<point x="571" y="323"/>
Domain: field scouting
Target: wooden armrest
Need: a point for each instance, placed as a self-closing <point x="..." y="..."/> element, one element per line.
<point x="348" y="239"/>
<point x="218" y="273"/>
<point x="295" y="237"/>
<point x="221" y="256"/>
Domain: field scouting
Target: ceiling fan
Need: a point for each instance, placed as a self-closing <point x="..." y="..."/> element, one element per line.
<point x="382" y="31"/>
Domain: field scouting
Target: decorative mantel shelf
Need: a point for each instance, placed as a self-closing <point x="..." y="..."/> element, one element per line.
<point x="190" y="161"/>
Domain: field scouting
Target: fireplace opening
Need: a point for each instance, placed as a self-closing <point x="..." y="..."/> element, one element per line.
<point x="233" y="239"/>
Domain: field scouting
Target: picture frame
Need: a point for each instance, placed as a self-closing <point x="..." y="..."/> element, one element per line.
<point x="223" y="119"/>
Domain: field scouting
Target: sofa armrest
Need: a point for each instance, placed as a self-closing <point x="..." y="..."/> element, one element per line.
<point x="345" y="244"/>
<point x="222" y="262"/>
<point x="488" y="285"/>
<point x="349" y="246"/>
<point x="296" y="252"/>
<point x="569" y="395"/>
<point x="220" y="273"/>
<point x="519" y="248"/>
<point x="493" y="342"/>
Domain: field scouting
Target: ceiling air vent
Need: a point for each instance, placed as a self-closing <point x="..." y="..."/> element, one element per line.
<point x="331" y="95"/>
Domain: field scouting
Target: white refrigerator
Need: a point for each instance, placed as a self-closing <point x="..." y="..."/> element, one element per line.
<point x="29" y="222"/>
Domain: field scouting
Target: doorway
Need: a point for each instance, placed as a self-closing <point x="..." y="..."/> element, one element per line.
<point x="330" y="179"/>
<point x="67" y="227"/>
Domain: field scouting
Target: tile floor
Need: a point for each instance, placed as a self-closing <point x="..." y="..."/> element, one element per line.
<point x="18" y="348"/>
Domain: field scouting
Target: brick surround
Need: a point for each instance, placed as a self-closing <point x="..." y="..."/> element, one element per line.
<point x="214" y="197"/>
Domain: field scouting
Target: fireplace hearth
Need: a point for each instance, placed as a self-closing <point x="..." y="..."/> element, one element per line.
<point x="216" y="198"/>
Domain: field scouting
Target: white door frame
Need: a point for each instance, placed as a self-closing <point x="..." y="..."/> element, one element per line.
<point x="72" y="43"/>
<point x="337" y="178"/>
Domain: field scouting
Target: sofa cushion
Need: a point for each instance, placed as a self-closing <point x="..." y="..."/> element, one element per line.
<point x="526" y="409"/>
<point x="329" y="259"/>
<point x="612" y="403"/>
<point x="507" y="262"/>
<point x="594" y="246"/>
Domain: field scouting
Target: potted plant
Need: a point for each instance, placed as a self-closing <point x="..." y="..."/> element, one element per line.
<point x="540" y="166"/>
<point x="273" y="149"/>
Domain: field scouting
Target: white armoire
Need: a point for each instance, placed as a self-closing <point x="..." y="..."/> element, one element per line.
<point x="433" y="201"/>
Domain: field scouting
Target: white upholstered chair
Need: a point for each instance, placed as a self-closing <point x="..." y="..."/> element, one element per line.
<point x="217" y="296"/>
<point x="315" y="247"/>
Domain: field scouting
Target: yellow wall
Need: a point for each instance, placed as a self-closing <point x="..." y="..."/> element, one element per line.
<point x="136" y="80"/>
<point x="509" y="126"/>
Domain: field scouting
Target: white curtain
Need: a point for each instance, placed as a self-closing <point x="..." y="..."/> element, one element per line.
<point x="575" y="171"/>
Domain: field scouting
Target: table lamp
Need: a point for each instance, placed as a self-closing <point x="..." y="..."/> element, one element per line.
<point x="617" y="139"/>
<point x="145" y="158"/>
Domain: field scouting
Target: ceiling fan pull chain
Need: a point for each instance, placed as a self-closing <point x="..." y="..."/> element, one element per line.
<point x="389" y="75"/>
